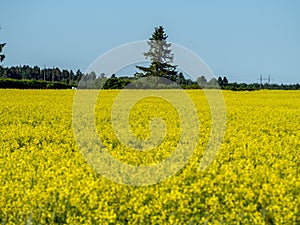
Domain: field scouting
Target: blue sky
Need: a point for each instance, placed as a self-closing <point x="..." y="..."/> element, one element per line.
<point x="237" y="39"/>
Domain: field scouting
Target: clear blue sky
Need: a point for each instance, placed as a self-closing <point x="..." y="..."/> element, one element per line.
<point x="238" y="39"/>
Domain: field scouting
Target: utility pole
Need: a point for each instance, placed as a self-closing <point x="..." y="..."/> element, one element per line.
<point x="44" y="73"/>
<point x="53" y="74"/>
<point x="269" y="79"/>
<point x="261" y="79"/>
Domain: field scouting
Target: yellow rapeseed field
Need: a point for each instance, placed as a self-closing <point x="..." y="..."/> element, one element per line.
<point x="255" y="178"/>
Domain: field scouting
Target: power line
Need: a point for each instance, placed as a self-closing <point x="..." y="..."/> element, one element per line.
<point x="264" y="79"/>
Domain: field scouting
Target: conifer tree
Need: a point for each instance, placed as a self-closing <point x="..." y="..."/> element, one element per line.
<point x="2" y="56"/>
<point x="160" y="56"/>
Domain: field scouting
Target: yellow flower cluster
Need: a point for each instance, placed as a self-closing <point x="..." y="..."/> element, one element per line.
<point x="255" y="178"/>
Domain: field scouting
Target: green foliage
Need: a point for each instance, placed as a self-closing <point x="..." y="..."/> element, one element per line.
<point x="202" y="81"/>
<point x="32" y="84"/>
<point x="159" y="48"/>
<point x="36" y="73"/>
<point x="2" y="56"/>
<point x="160" y="56"/>
<point x="25" y="77"/>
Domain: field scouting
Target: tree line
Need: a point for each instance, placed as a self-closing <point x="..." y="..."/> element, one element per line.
<point x="25" y="77"/>
<point x="26" y="72"/>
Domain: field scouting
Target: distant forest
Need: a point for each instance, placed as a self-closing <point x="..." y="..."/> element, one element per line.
<point x="24" y="77"/>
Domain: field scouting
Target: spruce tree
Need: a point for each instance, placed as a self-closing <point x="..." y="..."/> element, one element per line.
<point x="225" y="81"/>
<point x="160" y="56"/>
<point x="2" y="56"/>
